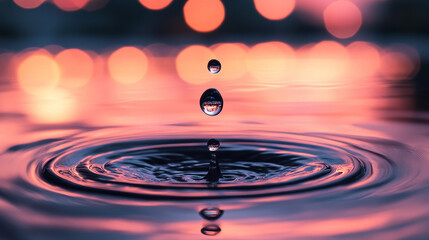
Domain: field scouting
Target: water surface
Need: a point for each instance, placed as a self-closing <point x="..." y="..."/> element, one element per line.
<point x="291" y="176"/>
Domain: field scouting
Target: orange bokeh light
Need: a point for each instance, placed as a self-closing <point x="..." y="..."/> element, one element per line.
<point x="274" y="9"/>
<point x="28" y="4"/>
<point x="155" y="4"/>
<point x="326" y="63"/>
<point x="76" y="66"/>
<point x="233" y="59"/>
<point x="204" y="15"/>
<point x="365" y="59"/>
<point x="271" y="62"/>
<point x="397" y="66"/>
<point x="342" y="19"/>
<point x="191" y="64"/>
<point x="38" y="73"/>
<point x="128" y="65"/>
<point x="70" y="5"/>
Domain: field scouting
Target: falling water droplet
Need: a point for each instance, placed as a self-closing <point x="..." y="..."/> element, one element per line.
<point x="213" y="145"/>
<point x="211" y="102"/>
<point x="213" y="66"/>
<point x="211" y="214"/>
<point x="211" y="230"/>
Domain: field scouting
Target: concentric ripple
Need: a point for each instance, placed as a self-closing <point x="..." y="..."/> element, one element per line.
<point x="174" y="168"/>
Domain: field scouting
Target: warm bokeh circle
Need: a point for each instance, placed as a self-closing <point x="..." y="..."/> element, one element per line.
<point x="274" y="9"/>
<point x="204" y="15"/>
<point x="155" y="4"/>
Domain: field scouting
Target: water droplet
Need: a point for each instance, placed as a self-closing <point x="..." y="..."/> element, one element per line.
<point x="211" y="102"/>
<point x="211" y="214"/>
<point x="213" y="144"/>
<point x="213" y="66"/>
<point x="211" y="230"/>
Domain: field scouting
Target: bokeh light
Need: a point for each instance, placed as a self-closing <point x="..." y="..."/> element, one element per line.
<point x="326" y="63"/>
<point x="191" y="64"/>
<point x="76" y="66"/>
<point x="29" y="4"/>
<point x="233" y="59"/>
<point x="274" y="9"/>
<point x="342" y="19"/>
<point x="70" y="5"/>
<point x="204" y="15"/>
<point x="155" y="4"/>
<point x="38" y="73"/>
<point x="271" y="62"/>
<point x="365" y="59"/>
<point x="54" y="106"/>
<point x="397" y="66"/>
<point x="128" y="65"/>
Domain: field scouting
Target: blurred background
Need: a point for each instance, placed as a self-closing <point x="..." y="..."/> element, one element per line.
<point x="128" y="62"/>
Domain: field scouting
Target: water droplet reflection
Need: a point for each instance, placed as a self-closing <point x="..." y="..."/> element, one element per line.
<point x="213" y="145"/>
<point x="211" y="230"/>
<point x="214" y="66"/>
<point x="211" y="214"/>
<point x="211" y="102"/>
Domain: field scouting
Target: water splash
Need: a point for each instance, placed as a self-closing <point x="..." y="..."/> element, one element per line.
<point x="214" y="173"/>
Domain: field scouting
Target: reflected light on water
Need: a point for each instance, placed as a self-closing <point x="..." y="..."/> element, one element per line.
<point x="54" y="106"/>
<point x="271" y="62"/>
<point x="204" y="16"/>
<point x="28" y="4"/>
<point x="274" y="9"/>
<point x="128" y="65"/>
<point x="155" y="4"/>
<point x="38" y="73"/>
<point x="342" y="19"/>
<point x="76" y="66"/>
<point x="191" y="64"/>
